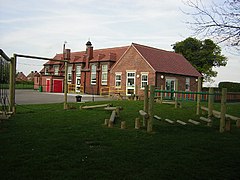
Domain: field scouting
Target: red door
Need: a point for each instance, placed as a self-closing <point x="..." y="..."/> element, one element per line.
<point x="48" y="85"/>
<point x="57" y="85"/>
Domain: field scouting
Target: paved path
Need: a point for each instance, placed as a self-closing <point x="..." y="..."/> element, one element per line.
<point x="35" y="97"/>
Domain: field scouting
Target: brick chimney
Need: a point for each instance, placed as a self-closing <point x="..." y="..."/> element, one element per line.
<point x="68" y="54"/>
<point x="89" y="52"/>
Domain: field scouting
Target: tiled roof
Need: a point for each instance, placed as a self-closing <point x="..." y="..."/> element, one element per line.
<point x="166" y="61"/>
<point x="107" y="54"/>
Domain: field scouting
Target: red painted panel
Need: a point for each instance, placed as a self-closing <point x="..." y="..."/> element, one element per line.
<point x="57" y="86"/>
<point x="48" y="85"/>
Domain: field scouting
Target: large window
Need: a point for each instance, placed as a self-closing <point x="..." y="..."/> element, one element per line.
<point x="69" y="74"/>
<point x="78" y="70"/>
<point x="104" y="74"/>
<point x="187" y="84"/>
<point x="56" y="69"/>
<point x="93" y="74"/>
<point x="144" y="80"/>
<point x="118" y="78"/>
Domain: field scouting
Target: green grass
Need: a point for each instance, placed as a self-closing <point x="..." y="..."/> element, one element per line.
<point x="47" y="142"/>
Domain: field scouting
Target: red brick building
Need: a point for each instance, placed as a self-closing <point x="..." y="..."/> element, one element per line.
<point x="124" y="69"/>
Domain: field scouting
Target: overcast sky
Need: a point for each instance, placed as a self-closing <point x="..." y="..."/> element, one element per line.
<point x="41" y="27"/>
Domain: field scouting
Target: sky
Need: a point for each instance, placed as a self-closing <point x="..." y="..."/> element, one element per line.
<point x="41" y="27"/>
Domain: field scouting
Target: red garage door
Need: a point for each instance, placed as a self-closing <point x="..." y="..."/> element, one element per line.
<point x="57" y="85"/>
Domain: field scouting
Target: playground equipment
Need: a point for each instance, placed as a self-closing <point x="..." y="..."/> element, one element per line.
<point x="5" y="79"/>
<point x="12" y="74"/>
<point x="225" y="123"/>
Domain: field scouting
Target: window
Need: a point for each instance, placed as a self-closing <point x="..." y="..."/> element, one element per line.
<point x="187" y="84"/>
<point x="144" y="80"/>
<point x="104" y="74"/>
<point x="56" y="69"/>
<point x="78" y="71"/>
<point x="46" y="70"/>
<point x="69" y="76"/>
<point x="93" y="74"/>
<point x="118" y="78"/>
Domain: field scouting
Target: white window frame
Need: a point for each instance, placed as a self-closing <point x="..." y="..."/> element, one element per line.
<point x="104" y="74"/>
<point x="78" y="70"/>
<point x="93" y="74"/>
<point x="56" y="69"/>
<point x="145" y="81"/>
<point x="187" y="85"/>
<point x="118" y="80"/>
<point x="46" y="70"/>
<point x="69" y="74"/>
<point x="130" y="87"/>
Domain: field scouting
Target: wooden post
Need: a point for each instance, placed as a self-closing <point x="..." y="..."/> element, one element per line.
<point x="223" y="110"/>
<point x="176" y="95"/>
<point x="210" y="102"/>
<point x="161" y="95"/>
<point x="106" y="122"/>
<point x="228" y="124"/>
<point x="123" y="124"/>
<point x="65" y="85"/>
<point x="150" y="108"/>
<point x="137" y="123"/>
<point x="199" y="95"/>
<point x="12" y="84"/>
<point x="145" y="105"/>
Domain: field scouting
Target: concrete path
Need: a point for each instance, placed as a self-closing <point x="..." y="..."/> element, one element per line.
<point x="35" y="97"/>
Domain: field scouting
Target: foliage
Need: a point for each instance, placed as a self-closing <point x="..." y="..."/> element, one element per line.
<point x="231" y="86"/>
<point x="220" y="21"/>
<point x="203" y="55"/>
<point x="46" y="142"/>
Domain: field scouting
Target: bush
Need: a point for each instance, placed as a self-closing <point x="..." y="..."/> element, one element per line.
<point x="231" y="86"/>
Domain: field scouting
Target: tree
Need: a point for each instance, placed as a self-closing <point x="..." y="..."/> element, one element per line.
<point x="218" y="21"/>
<point x="203" y="55"/>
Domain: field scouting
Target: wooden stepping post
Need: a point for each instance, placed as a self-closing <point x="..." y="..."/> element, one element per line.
<point x="169" y="121"/>
<point x="137" y="123"/>
<point x="123" y="124"/>
<point x="207" y="120"/>
<point x="193" y="122"/>
<point x="181" y="122"/>
<point x="112" y="119"/>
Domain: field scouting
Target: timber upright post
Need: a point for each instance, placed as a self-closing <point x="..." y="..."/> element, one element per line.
<point x="176" y="94"/>
<point x="199" y="95"/>
<point x="12" y="84"/>
<point x="223" y="110"/>
<point x="150" y="110"/>
<point x="145" y="105"/>
<point x="210" y="102"/>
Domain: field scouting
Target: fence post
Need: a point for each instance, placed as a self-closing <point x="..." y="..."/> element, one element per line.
<point x="145" y="104"/>
<point x="176" y="94"/>
<point x="210" y="102"/>
<point x="150" y="110"/>
<point x="223" y="110"/>
<point x="199" y="95"/>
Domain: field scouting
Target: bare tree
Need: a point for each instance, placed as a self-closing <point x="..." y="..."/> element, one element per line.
<point x="218" y="21"/>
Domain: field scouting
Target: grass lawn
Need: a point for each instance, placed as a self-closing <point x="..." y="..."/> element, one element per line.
<point x="47" y="142"/>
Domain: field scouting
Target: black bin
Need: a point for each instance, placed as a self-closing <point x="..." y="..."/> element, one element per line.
<point x="78" y="98"/>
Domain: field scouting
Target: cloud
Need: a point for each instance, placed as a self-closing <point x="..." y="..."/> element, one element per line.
<point x="41" y="27"/>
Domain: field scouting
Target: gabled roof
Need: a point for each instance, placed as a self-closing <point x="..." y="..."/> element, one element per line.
<point x="107" y="54"/>
<point x="166" y="61"/>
